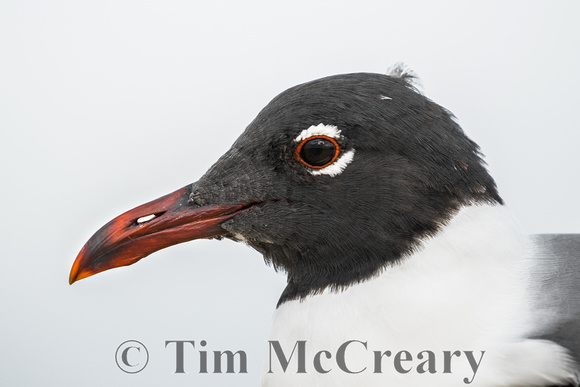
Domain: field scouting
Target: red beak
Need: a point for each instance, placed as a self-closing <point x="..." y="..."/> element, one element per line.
<point x="153" y="226"/>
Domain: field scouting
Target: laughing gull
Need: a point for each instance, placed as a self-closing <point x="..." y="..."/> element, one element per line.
<point x="404" y="266"/>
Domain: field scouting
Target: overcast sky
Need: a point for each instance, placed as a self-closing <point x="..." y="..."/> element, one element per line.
<point x="107" y="104"/>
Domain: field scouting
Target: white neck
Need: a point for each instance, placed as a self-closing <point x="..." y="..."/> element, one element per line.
<point x="465" y="289"/>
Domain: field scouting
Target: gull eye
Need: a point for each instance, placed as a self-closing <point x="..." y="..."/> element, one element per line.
<point x="317" y="151"/>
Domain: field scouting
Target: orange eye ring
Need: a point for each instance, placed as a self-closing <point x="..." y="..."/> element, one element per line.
<point x="320" y="151"/>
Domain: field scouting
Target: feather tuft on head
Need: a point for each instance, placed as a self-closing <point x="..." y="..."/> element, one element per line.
<point x="407" y="75"/>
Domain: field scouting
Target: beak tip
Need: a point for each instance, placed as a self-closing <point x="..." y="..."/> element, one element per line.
<point x="75" y="273"/>
<point x="72" y="277"/>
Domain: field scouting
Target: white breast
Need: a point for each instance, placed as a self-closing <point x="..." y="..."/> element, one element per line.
<point x="467" y="289"/>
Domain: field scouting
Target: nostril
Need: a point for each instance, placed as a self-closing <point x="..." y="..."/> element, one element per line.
<point x="148" y="218"/>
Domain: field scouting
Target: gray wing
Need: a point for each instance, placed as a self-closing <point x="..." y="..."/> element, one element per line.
<point x="557" y="277"/>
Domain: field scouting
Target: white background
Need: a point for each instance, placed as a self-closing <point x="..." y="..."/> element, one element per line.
<point x="105" y="105"/>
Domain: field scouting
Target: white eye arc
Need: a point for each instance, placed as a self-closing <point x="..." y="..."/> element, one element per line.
<point x="337" y="167"/>
<point x="330" y="131"/>
<point x="319" y="130"/>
